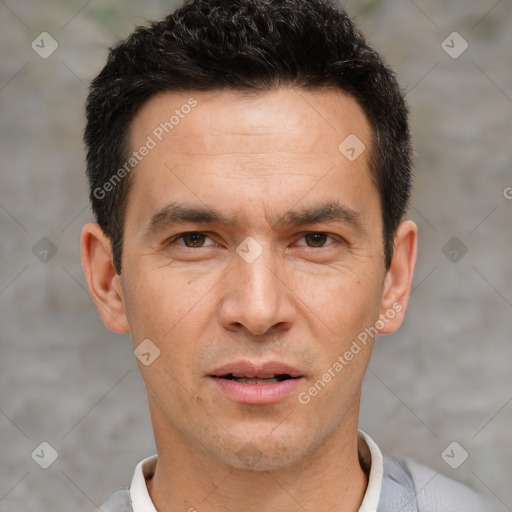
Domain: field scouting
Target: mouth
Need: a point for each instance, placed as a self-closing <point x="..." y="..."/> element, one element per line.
<point x="260" y="371"/>
<point x="258" y="379"/>
<point x="258" y="384"/>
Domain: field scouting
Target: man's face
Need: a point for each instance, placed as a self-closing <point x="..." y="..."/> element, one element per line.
<point x="268" y="286"/>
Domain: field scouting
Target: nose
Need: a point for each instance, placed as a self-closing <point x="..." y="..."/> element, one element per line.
<point x="258" y="296"/>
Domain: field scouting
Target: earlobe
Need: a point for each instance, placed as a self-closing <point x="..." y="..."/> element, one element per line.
<point x="103" y="281"/>
<point x="398" y="282"/>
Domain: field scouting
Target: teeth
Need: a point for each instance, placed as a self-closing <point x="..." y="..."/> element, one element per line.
<point x="265" y="380"/>
<point x="242" y="376"/>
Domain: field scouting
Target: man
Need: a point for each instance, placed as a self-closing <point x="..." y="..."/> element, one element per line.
<point x="250" y="166"/>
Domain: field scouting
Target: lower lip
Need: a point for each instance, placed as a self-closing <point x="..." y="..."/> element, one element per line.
<point x="260" y="394"/>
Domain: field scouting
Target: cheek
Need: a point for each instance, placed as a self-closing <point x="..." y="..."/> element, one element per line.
<point x="344" y="301"/>
<point x="174" y="316"/>
<point x="157" y="302"/>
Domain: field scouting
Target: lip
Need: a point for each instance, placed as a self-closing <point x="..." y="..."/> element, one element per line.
<point x="256" y="394"/>
<point x="250" y="369"/>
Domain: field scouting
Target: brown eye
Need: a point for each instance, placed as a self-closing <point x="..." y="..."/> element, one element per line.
<point x="317" y="240"/>
<point x="192" y="239"/>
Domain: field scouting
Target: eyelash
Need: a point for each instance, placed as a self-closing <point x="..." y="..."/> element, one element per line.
<point x="173" y="239"/>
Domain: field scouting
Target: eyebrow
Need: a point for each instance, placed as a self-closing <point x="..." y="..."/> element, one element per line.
<point x="180" y="213"/>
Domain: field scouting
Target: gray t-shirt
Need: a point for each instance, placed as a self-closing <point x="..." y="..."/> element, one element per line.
<point x="406" y="487"/>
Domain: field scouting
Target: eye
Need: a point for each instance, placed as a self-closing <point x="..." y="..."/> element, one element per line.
<point x="191" y="239"/>
<point x="316" y="239"/>
<point x="196" y="240"/>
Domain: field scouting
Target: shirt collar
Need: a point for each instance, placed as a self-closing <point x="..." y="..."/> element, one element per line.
<point x="372" y="494"/>
<point x="139" y="494"/>
<point x="141" y="501"/>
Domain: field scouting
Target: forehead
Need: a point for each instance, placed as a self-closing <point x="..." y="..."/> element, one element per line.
<point x="234" y="147"/>
<point x="327" y="115"/>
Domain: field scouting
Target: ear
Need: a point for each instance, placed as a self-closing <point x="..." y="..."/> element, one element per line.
<point x="102" y="278"/>
<point x="398" y="281"/>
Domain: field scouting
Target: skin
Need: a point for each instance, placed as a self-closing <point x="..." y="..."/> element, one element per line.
<point x="302" y="301"/>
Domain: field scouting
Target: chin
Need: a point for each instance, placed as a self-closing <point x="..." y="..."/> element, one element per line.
<point x="263" y="454"/>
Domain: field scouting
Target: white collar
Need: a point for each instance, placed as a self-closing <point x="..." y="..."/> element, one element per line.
<point x="372" y="494"/>
<point x="141" y="501"/>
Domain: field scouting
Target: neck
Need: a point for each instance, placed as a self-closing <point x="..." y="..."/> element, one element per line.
<point x="329" y="479"/>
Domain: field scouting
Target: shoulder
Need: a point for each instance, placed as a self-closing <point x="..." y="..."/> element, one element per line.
<point x="118" y="501"/>
<point x="433" y="491"/>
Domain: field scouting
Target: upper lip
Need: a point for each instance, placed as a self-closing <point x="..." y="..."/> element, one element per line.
<point x="251" y="369"/>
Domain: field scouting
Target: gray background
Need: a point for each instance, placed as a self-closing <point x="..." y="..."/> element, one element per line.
<point x="444" y="377"/>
